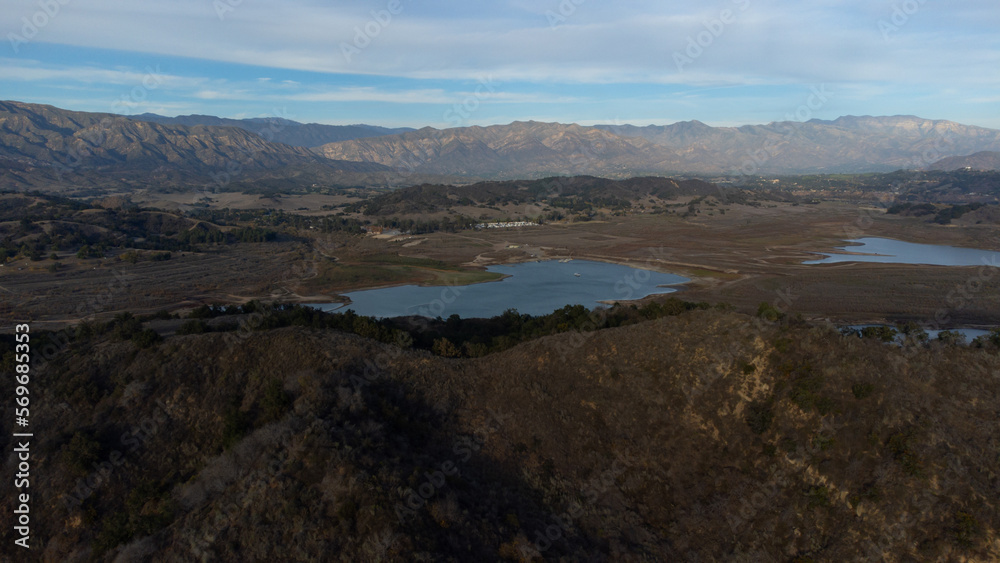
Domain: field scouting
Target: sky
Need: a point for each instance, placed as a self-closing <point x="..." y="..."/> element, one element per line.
<point x="447" y="63"/>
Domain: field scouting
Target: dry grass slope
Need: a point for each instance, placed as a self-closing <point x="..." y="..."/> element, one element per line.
<point x="704" y="437"/>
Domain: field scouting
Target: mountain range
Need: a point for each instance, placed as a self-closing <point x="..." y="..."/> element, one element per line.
<point x="845" y="145"/>
<point x="44" y="147"/>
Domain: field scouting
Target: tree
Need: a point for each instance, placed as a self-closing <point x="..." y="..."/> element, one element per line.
<point x="883" y="333"/>
<point x="951" y="338"/>
<point x="769" y="312"/>
<point x="146" y="338"/>
<point x="444" y="348"/>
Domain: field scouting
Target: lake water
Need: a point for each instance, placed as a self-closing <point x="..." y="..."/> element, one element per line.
<point x="898" y="252"/>
<point x="969" y="333"/>
<point x="534" y="288"/>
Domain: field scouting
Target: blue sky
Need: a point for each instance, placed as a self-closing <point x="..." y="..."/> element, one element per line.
<point x="449" y="63"/>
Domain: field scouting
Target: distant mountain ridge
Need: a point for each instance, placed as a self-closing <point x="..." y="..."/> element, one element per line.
<point x="533" y="149"/>
<point x="43" y="135"/>
<point x="43" y="145"/>
<point x="279" y="129"/>
<point x="39" y="144"/>
<point x="518" y="150"/>
<point x="846" y="144"/>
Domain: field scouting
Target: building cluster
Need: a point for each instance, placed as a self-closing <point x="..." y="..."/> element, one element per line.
<point x="506" y="225"/>
<point x="382" y="231"/>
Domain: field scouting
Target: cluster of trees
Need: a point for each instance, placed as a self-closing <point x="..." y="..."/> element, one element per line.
<point x="457" y="337"/>
<point x="418" y="227"/>
<point x="278" y="218"/>
<point x="914" y="335"/>
<point x="580" y="205"/>
<point x="452" y="337"/>
<point x="580" y="195"/>
<point x="254" y="234"/>
<point x="943" y="216"/>
<point x="912" y="209"/>
<point x="31" y="241"/>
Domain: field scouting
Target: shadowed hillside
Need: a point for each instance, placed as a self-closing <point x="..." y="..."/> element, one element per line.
<point x="985" y="160"/>
<point x="698" y="437"/>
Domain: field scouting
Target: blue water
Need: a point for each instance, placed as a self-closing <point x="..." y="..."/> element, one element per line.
<point x="891" y="251"/>
<point x="534" y="288"/>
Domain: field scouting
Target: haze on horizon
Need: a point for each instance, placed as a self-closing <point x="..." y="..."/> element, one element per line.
<point x="446" y="63"/>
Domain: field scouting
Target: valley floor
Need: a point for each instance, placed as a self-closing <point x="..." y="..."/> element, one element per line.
<point x="745" y="256"/>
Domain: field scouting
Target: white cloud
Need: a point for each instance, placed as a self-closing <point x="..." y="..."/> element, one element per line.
<point x="770" y="42"/>
<point x="600" y="44"/>
<point x="17" y="70"/>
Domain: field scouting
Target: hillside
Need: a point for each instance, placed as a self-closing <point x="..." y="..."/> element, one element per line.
<point x="985" y="160"/>
<point x="700" y="437"/>
<point x="281" y="130"/>
<point x="573" y="193"/>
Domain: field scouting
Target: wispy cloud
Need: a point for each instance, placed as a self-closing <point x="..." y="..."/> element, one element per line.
<point x="429" y="52"/>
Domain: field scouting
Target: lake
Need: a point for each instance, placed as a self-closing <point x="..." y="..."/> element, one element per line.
<point x="891" y="251"/>
<point x="534" y="288"/>
<point x="969" y="333"/>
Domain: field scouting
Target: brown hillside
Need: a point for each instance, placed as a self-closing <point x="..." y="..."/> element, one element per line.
<point x="704" y="437"/>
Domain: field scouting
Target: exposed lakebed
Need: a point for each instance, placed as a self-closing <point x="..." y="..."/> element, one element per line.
<point x="534" y="288"/>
